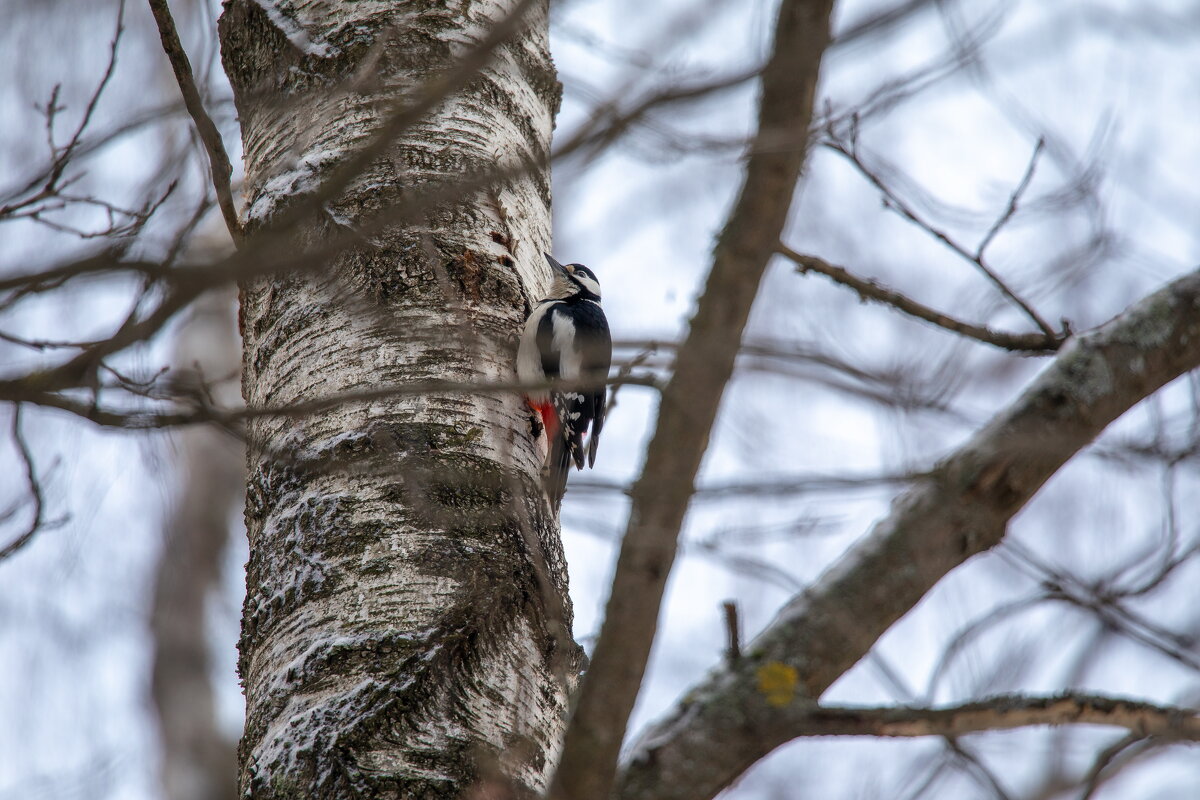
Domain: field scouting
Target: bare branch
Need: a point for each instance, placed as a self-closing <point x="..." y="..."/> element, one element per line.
<point x="1105" y="766"/>
<point x="35" y="489"/>
<point x="30" y="200"/>
<point x="873" y="290"/>
<point x="775" y="486"/>
<point x="607" y="124"/>
<point x="261" y="256"/>
<point x="218" y="159"/>
<point x="26" y="391"/>
<point x="961" y="509"/>
<point x="897" y="204"/>
<point x="1011" y="209"/>
<point x="971" y="764"/>
<point x="880" y="22"/>
<point x="1000" y="713"/>
<point x="690" y="400"/>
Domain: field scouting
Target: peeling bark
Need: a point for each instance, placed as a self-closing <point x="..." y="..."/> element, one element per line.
<point x="960" y="509"/>
<point x="406" y="582"/>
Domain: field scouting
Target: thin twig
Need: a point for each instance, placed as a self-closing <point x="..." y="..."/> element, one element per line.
<point x="1100" y="770"/>
<point x="1013" y="199"/>
<point x="733" y="636"/>
<point x="970" y="763"/>
<point x="35" y="488"/>
<point x="764" y="486"/>
<point x="607" y="124"/>
<point x="897" y="204"/>
<point x="51" y="180"/>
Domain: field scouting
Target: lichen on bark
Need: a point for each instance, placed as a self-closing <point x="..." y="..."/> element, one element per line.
<point x="399" y="637"/>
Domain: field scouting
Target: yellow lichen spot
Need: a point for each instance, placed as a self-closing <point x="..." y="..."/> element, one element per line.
<point x="777" y="682"/>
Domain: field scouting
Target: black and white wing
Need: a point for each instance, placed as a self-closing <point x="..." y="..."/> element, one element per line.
<point x="582" y="348"/>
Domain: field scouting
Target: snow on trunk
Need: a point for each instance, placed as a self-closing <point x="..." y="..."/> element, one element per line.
<point x="405" y="571"/>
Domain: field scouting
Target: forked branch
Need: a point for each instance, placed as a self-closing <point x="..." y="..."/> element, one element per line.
<point x="893" y="201"/>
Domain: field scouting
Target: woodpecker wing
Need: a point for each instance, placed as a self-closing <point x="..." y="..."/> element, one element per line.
<point x="596" y="346"/>
<point x="575" y="345"/>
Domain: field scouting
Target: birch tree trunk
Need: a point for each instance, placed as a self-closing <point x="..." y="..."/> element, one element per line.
<point x="406" y="579"/>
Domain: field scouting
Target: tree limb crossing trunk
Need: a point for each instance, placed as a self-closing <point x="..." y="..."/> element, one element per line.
<point x="405" y="576"/>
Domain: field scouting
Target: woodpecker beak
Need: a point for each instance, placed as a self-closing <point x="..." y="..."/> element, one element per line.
<point x="555" y="264"/>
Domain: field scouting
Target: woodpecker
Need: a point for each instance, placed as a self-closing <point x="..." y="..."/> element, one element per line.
<point x="566" y="337"/>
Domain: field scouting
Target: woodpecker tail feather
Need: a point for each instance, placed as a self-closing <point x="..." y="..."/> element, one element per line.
<point x="599" y="401"/>
<point x="558" y="466"/>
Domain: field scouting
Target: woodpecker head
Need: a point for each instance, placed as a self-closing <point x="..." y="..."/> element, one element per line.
<point x="571" y="280"/>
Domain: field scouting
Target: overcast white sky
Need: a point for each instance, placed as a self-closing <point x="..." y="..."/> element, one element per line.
<point x="1112" y="86"/>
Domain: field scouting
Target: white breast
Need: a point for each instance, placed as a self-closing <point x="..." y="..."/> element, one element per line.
<point x="529" y="360"/>
<point x="570" y="363"/>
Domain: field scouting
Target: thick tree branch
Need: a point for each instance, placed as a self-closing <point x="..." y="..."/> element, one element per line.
<point x="690" y="401"/>
<point x="960" y="509"/>
<point x="994" y="714"/>
<point x="218" y="159"/>
<point x="873" y="290"/>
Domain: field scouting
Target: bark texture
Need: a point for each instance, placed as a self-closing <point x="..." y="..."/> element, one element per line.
<point x="405" y="575"/>
<point x="198" y="761"/>
<point x="961" y="509"/>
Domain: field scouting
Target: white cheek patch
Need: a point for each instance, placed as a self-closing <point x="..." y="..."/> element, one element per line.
<point x="587" y="283"/>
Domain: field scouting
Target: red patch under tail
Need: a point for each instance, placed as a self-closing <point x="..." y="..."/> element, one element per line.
<point x="549" y="418"/>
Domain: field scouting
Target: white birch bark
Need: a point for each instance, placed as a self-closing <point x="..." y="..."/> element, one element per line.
<point x="396" y="639"/>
